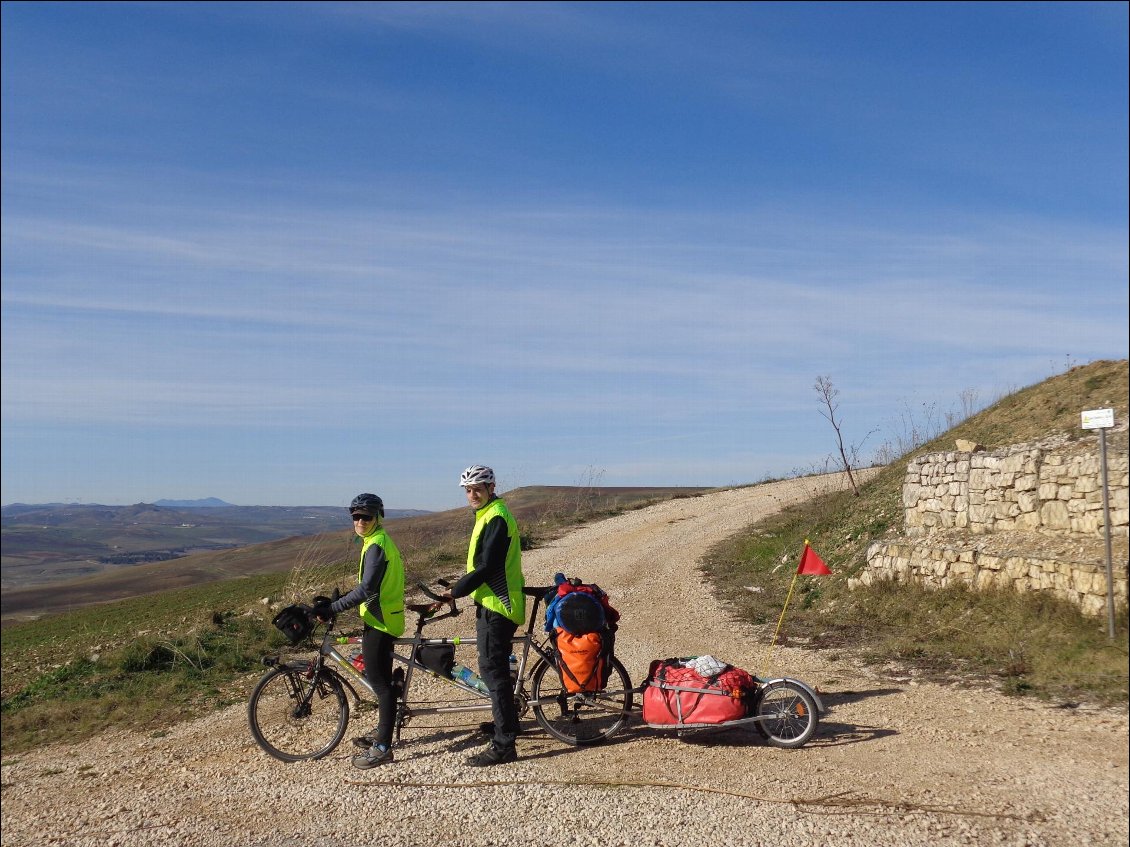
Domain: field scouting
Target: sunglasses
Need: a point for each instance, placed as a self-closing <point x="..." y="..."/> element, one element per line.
<point x="362" y="518"/>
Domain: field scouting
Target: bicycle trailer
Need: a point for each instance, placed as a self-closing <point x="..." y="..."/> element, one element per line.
<point x="700" y="693"/>
<point x="677" y="692"/>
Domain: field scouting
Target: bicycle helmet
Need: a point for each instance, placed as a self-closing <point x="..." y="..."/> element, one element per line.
<point x="368" y="504"/>
<point x="475" y="475"/>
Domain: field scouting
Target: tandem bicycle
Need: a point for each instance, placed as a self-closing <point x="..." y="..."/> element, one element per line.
<point x="300" y="708"/>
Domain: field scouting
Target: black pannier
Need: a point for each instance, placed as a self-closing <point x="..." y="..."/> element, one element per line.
<point x="438" y="658"/>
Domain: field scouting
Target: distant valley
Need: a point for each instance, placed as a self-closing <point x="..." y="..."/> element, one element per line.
<point x="47" y="543"/>
<point x="431" y="542"/>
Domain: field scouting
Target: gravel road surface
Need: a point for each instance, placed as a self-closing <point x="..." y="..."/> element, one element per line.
<point x="894" y="762"/>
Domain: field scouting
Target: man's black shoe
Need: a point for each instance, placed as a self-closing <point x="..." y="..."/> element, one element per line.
<point x="492" y="754"/>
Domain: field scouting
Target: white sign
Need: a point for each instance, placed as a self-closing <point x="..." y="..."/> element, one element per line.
<point x="1098" y="419"/>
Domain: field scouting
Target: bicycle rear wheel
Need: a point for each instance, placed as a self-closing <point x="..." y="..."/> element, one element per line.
<point x="295" y="717"/>
<point x="788" y="714"/>
<point x="583" y="718"/>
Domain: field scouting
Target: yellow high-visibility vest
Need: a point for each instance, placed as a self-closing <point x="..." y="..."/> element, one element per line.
<point x="391" y="600"/>
<point x="484" y="595"/>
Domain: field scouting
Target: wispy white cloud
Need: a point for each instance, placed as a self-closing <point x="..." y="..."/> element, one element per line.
<point x="556" y="234"/>
<point x="585" y="298"/>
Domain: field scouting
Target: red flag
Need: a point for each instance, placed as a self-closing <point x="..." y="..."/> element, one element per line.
<point x="811" y="564"/>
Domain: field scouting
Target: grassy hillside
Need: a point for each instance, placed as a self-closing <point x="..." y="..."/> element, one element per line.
<point x="1021" y="643"/>
<point x="153" y="659"/>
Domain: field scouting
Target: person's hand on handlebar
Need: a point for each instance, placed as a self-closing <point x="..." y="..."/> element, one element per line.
<point x="440" y="600"/>
<point x="445" y="599"/>
<point x="321" y="609"/>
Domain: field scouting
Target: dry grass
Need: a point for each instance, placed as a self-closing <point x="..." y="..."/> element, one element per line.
<point x="1020" y="643"/>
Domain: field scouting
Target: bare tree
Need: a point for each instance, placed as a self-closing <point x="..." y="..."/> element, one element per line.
<point x="828" y="393"/>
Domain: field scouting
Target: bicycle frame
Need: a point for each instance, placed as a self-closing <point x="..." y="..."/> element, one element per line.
<point x="404" y="649"/>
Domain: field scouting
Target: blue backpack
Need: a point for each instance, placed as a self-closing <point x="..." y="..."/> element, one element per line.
<point x="578" y="608"/>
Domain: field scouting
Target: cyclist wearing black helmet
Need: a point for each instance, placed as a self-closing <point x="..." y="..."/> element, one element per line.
<point x="494" y="581"/>
<point x="380" y="595"/>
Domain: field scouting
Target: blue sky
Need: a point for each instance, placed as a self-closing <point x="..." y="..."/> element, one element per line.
<point x="284" y="253"/>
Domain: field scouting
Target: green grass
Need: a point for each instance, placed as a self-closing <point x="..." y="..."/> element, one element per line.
<point x="149" y="681"/>
<point x="144" y="663"/>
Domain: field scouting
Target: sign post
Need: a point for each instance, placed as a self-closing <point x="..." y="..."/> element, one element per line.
<point x="1102" y="420"/>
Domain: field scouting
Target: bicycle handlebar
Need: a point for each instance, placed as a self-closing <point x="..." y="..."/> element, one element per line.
<point x="439" y="599"/>
<point x="425" y="611"/>
<point x="429" y="592"/>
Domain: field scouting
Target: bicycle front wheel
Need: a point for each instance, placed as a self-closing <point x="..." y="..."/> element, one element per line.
<point x="581" y="718"/>
<point x="294" y="716"/>
<point x="787" y="714"/>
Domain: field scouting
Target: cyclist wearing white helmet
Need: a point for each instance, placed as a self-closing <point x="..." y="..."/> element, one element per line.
<point x="494" y="581"/>
<point x="476" y="475"/>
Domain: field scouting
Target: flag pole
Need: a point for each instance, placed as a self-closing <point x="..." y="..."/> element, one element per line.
<point x="780" y="620"/>
<point x="815" y="567"/>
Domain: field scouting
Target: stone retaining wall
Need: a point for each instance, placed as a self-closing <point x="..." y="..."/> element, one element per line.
<point x="934" y="564"/>
<point x="1027" y="517"/>
<point x="1053" y="486"/>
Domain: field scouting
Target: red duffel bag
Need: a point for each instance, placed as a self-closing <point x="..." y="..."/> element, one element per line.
<point x="678" y="695"/>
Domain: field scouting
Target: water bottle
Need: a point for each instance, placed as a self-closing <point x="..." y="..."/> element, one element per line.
<point x="513" y="668"/>
<point x="468" y="676"/>
<point x="357" y="660"/>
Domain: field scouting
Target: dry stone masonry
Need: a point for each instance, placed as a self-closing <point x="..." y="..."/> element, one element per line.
<point x="1028" y="516"/>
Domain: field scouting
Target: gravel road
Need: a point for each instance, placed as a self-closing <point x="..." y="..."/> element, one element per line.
<point x="893" y="763"/>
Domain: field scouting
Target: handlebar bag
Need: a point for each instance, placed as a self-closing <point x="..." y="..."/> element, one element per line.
<point x="438" y="658"/>
<point x="295" y="623"/>
<point x="677" y="695"/>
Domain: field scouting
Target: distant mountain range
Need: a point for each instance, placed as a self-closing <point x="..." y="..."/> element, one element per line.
<point x="43" y="543"/>
<point x="205" y="503"/>
<point x="55" y="556"/>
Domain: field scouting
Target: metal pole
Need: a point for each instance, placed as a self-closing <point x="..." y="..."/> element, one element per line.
<point x="1106" y="525"/>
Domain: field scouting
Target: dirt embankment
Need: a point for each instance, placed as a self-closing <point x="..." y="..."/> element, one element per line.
<point x="893" y="763"/>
